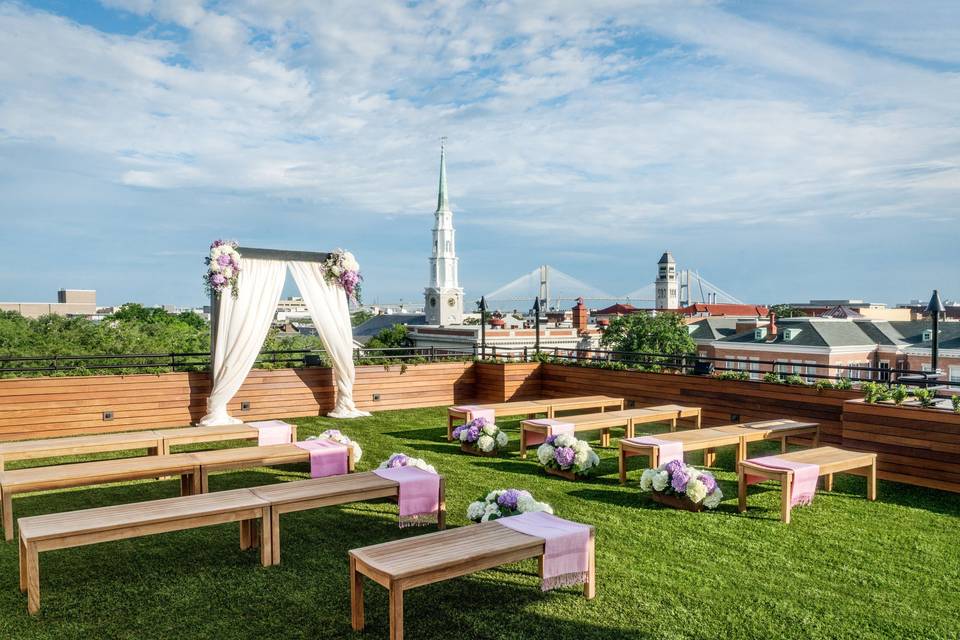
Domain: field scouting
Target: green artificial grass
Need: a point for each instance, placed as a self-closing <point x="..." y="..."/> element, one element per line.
<point x="845" y="568"/>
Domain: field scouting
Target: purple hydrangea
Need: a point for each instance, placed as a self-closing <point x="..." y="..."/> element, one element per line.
<point x="675" y="466"/>
<point x="709" y="481"/>
<point x="457" y="431"/>
<point x="564" y="456"/>
<point x="473" y="433"/>
<point x="399" y="460"/>
<point x="218" y="280"/>
<point x="224" y="260"/>
<point x="349" y="281"/>
<point x="333" y="433"/>
<point x="679" y="480"/>
<point x="550" y="440"/>
<point x="217" y="243"/>
<point x="510" y="497"/>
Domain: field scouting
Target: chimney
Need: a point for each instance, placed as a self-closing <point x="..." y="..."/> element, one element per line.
<point x="581" y="316"/>
<point x="772" y="329"/>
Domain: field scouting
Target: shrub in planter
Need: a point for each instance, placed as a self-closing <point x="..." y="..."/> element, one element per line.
<point x="844" y="384"/>
<point x="925" y="397"/>
<point x="874" y="392"/>
<point x="823" y="385"/>
<point x="566" y="456"/>
<point x="481" y="436"/>
<point x="733" y="375"/>
<point x="773" y="378"/>
<point x="682" y="486"/>
<point x="796" y="380"/>
<point x="899" y="393"/>
<point x="503" y="503"/>
<point x="956" y="403"/>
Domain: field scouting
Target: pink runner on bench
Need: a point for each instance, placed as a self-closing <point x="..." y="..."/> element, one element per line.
<point x="327" y="458"/>
<point x="419" y="499"/>
<point x="554" y="428"/>
<point x="670" y="450"/>
<point x="272" y="432"/>
<point x="473" y="412"/>
<point x="566" y="549"/>
<point x="805" y="477"/>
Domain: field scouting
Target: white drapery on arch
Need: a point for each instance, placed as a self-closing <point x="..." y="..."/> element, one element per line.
<point x="241" y="324"/>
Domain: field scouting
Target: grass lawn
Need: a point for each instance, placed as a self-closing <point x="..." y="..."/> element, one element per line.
<point x="845" y="568"/>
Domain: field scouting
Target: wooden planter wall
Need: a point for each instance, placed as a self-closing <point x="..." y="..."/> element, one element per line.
<point x="504" y="382"/>
<point x="913" y="445"/>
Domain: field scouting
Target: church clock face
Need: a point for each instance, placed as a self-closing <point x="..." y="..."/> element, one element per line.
<point x="451" y="301"/>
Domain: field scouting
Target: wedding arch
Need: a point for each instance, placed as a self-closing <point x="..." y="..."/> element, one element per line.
<point x="243" y="302"/>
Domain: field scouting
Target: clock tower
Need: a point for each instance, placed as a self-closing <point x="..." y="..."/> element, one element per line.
<point x="443" y="299"/>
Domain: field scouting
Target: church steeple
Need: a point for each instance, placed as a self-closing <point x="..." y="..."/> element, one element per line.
<point x="443" y="203"/>
<point x="443" y="299"/>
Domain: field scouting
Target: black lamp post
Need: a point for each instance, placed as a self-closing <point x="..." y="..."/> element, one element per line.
<point x="935" y="308"/>
<point x="483" y="327"/>
<point x="536" y="324"/>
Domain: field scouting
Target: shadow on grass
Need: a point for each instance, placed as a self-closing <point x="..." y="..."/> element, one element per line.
<point x="430" y="434"/>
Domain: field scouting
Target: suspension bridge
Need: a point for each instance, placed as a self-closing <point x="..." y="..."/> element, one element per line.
<point x="556" y="288"/>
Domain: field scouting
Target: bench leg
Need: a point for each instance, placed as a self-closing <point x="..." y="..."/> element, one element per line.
<point x="786" y="489"/>
<point x="442" y="506"/>
<point x="605" y="438"/>
<point x="540" y="566"/>
<point x="356" y="597"/>
<point x="7" y="516"/>
<point x="590" y="586"/>
<point x="708" y="457"/>
<point x="244" y="535"/>
<point x="396" y="612"/>
<point x="32" y="569"/>
<point x="275" y="534"/>
<point x="261" y="531"/>
<point x="741" y="490"/>
<point x="828" y="482"/>
<point x="699" y="419"/>
<point x="623" y="466"/>
<point x="449" y="428"/>
<point x="204" y="481"/>
<point x="293" y="433"/>
<point x="872" y="481"/>
<point x="22" y="556"/>
<point x="523" y="443"/>
<point x="673" y="424"/>
<point x="783" y="444"/>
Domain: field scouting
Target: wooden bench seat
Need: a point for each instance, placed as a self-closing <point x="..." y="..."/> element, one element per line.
<point x="533" y="408"/>
<point x="300" y="495"/>
<point x="831" y="460"/>
<point x="413" y="562"/>
<point x="82" y="474"/>
<point x="708" y="440"/>
<point x="249" y="457"/>
<point x="197" y="435"/>
<point x="104" y="524"/>
<point x="79" y="445"/>
<point x="626" y="419"/>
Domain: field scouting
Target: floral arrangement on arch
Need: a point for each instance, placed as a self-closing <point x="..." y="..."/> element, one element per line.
<point x="341" y="268"/>
<point x="503" y="503"/>
<point x="682" y="480"/>
<point x="398" y="460"/>
<point x="481" y="434"/>
<point x="337" y="436"/>
<point x="565" y="453"/>
<point x="223" y="268"/>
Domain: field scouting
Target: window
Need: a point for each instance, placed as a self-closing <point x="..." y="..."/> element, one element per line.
<point x="954" y="374"/>
<point x="728" y="363"/>
<point x="741" y="363"/>
<point x="811" y="370"/>
<point x="925" y="367"/>
<point x="884" y="374"/>
<point x="755" y="369"/>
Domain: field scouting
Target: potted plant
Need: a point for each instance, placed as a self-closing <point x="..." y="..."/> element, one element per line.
<point x="898" y="394"/>
<point x="503" y="503"/>
<point x="480" y="437"/>
<point x="565" y="456"/>
<point x="403" y="460"/>
<point x="681" y="486"/>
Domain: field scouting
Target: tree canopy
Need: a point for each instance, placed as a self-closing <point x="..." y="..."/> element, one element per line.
<point x="638" y="332"/>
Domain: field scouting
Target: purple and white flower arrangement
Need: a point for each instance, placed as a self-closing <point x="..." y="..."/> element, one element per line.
<point x="502" y="503"/>
<point x="481" y="434"/>
<point x="398" y="460"/>
<point x="566" y="453"/>
<point x="336" y="436"/>
<point x="341" y="268"/>
<point x="223" y="268"/>
<point x="679" y="479"/>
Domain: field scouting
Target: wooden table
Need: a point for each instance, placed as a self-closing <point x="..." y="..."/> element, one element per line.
<point x="831" y="460"/>
<point x="533" y="408"/>
<point x="248" y="457"/>
<point x="92" y="473"/>
<point x="288" y="497"/>
<point x="414" y="562"/>
<point x="105" y="524"/>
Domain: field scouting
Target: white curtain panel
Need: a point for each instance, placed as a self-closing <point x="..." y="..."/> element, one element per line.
<point x="242" y="326"/>
<point x="331" y="316"/>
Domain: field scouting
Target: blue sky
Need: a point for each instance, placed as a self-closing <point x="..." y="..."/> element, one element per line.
<point x="786" y="150"/>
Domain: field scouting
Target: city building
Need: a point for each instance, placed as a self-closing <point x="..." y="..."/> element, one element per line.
<point x="852" y="309"/>
<point x="70" y="302"/>
<point x="667" y="291"/>
<point x="443" y="298"/>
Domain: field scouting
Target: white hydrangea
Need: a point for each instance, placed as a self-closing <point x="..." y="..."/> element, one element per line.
<point x="335" y="270"/>
<point x="646" y="480"/>
<point x="712" y="501"/>
<point x="350" y="262"/>
<point x="526" y="504"/>
<point x="581" y="457"/>
<point x="357" y="452"/>
<point x="501" y="439"/>
<point x="491" y="509"/>
<point x="565" y="440"/>
<point x="592" y="459"/>
<point x="420" y="463"/>
<point x="463" y="435"/>
<point x="228" y="272"/>
<point x="696" y="490"/>
<point x="215" y="266"/>
<point x="475" y="510"/>
<point x="490" y="429"/>
<point x="485" y="443"/>
<point x="493" y="495"/>
<point x="544" y="453"/>
<point x="660" y="480"/>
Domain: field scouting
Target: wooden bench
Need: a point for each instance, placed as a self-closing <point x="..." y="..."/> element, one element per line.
<point x="248" y="457"/>
<point x="196" y="435"/>
<point x="105" y="524"/>
<point x="831" y="460"/>
<point x="708" y="440"/>
<point x="603" y="422"/>
<point x="533" y="408"/>
<point x="683" y="412"/>
<point x="92" y="473"/>
<point x="79" y="445"/>
<point x="414" y="562"/>
<point x="300" y="495"/>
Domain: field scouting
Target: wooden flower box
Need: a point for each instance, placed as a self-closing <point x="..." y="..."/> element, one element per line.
<point x="475" y="451"/>
<point x="569" y="475"/>
<point x="676" y="502"/>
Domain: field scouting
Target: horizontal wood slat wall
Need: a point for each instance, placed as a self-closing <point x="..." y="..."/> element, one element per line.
<point x="913" y="445"/>
<point x="421" y="385"/>
<point x="501" y="383"/>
